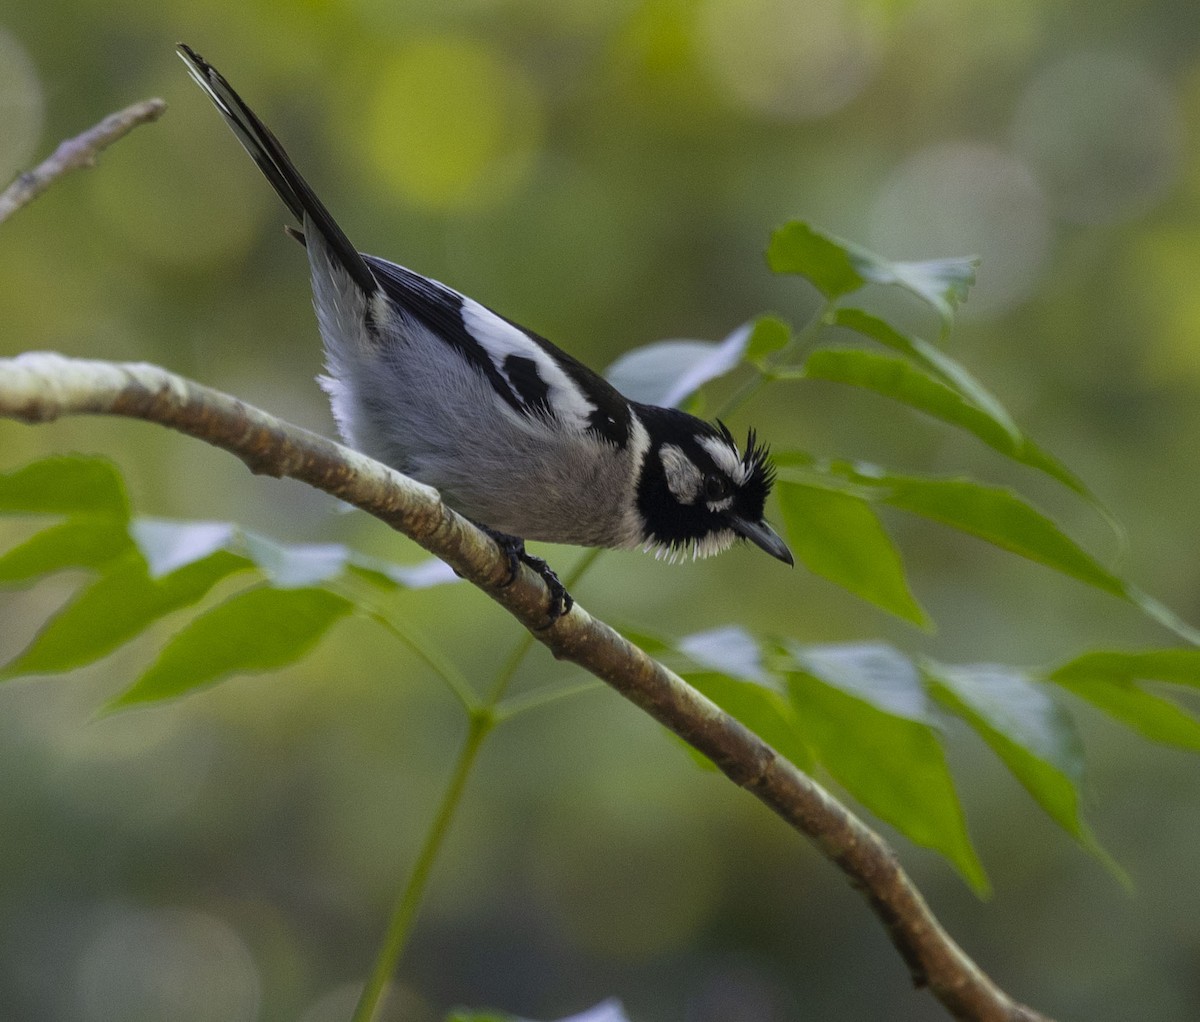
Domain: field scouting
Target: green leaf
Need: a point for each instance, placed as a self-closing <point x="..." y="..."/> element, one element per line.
<point x="115" y="608"/>
<point x="995" y="514"/>
<point x="932" y="358"/>
<point x="867" y="718"/>
<point x="1109" y="680"/>
<point x="901" y="381"/>
<point x="770" y="334"/>
<point x="1031" y="733"/>
<point x="837" y="267"/>
<point x="83" y="541"/>
<point x="839" y="537"/>
<point x="668" y="372"/>
<point x="801" y="249"/>
<point x="733" y="676"/>
<point x="65" y="485"/>
<point x="986" y="417"/>
<point x="1176" y="666"/>
<point x="259" y="629"/>
<point x="1002" y="518"/>
<point x="463" y="1015"/>
<point x="765" y="711"/>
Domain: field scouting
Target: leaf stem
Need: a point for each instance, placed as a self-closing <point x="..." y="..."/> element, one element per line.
<point x="541" y="697"/>
<point x="453" y="678"/>
<point x="405" y="909"/>
<point x="768" y="373"/>
<point x="482" y="718"/>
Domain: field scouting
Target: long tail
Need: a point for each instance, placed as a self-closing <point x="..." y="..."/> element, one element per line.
<point x="264" y="148"/>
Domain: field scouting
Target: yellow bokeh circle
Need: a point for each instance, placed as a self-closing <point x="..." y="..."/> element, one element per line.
<point x="452" y="124"/>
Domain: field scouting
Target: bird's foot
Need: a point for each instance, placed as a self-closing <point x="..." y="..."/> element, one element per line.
<point x="514" y="548"/>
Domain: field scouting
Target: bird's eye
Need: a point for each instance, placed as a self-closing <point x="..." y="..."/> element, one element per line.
<point x="715" y="487"/>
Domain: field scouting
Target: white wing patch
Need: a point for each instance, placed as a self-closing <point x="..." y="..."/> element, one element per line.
<point x="500" y="339"/>
<point x="725" y="457"/>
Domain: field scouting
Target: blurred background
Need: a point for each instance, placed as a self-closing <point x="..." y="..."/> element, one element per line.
<point x="607" y="174"/>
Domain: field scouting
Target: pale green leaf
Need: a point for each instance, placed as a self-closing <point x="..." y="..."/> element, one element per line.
<point x="1026" y="727"/>
<point x="606" y="1011"/>
<point x="1031" y="734"/>
<point x="423" y="575"/>
<point x="943" y="283"/>
<point x="874" y="672"/>
<point x="296" y="565"/>
<point x="668" y="372"/>
<point x="168" y="545"/>
<point x="734" y="677"/>
<point x="730" y="650"/>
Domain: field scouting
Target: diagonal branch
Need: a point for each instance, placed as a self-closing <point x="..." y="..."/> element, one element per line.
<point x="40" y="387"/>
<point x="76" y="153"/>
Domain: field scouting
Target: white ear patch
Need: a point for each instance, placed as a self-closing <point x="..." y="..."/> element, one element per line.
<point x="684" y="479"/>
<point x="726" y="458"/>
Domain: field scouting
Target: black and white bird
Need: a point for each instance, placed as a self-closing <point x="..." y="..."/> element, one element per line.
<point x="516" y="434"/>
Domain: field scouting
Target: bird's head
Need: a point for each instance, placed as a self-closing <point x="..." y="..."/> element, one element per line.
<point x="697" y="493"/>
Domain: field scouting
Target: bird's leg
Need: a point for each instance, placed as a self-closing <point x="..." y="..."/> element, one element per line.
<point x="514" y="547"/>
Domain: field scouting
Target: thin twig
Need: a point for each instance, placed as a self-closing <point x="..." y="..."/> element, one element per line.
<point x="40" y="387"/>
<point x="76" y="153"/>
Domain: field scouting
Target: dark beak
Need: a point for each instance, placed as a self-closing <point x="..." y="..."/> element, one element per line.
<point x="764" y="537"/>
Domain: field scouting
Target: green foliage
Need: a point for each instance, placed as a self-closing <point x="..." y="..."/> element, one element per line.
<point x="838" y="535"/>
<point x="1032" y="734"/>
<point x="864" y="711"/>
<point x="260" y="629"/>
<point x="146" y="569"/>
<point x="868" y="714"/>
<point x="838" y="268"/>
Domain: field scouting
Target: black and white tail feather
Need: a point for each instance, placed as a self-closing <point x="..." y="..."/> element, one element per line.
<point x="516" y="434"/>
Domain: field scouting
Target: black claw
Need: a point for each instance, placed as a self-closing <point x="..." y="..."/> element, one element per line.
<point x="514" y="548"/>
<point x="560" y="599"/>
